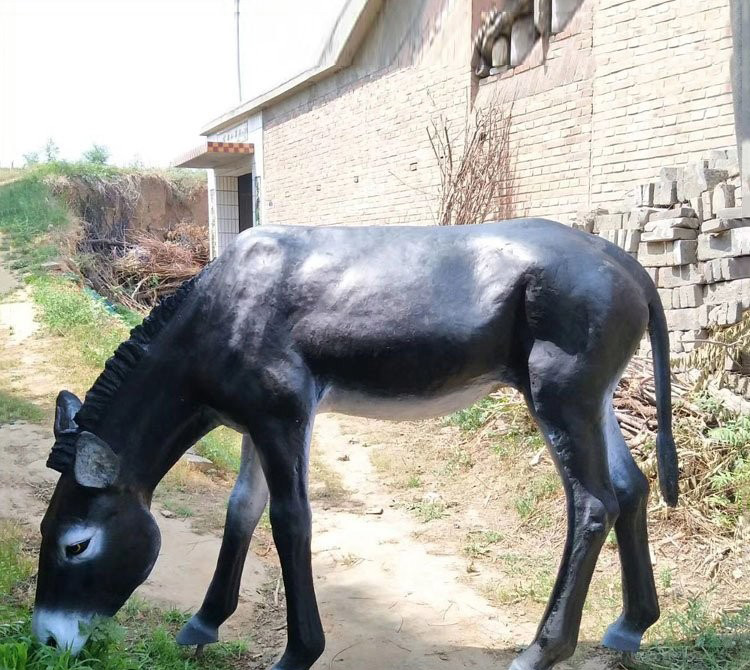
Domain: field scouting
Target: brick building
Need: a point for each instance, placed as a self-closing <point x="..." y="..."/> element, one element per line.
<point x="611" y="92"/>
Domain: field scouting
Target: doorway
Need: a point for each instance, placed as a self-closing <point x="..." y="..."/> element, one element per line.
<point x="245" y="199"/>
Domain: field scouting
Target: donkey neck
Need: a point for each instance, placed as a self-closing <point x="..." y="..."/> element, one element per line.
<point x="144" y="403"/>
<point x="153" y="419"/>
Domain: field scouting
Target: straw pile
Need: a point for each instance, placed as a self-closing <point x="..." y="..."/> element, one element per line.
<point x="138" y="272"/>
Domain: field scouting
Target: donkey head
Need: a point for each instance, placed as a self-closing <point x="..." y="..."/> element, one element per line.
<point x="99" y="540"/>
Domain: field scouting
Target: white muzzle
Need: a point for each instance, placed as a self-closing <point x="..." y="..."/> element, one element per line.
<point x="62" y="627"/>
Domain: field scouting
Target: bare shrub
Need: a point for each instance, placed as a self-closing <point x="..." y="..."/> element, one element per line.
<point x="476" y="178"/>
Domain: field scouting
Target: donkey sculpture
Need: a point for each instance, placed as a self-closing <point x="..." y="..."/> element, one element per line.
<point x="395" y="322"/>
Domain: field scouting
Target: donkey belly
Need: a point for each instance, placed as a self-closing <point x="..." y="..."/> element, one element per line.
<point x="360" y="402"/>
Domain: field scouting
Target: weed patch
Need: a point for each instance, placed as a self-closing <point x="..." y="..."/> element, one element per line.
<point x="90" y="330"/>
<point x="29" y="216"/>
<point x="694" y="640"/>
<point x="16" y="408"/>
<point x="223" y="447"/>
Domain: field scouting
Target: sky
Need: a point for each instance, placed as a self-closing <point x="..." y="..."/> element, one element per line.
<point x="142" y="77"/>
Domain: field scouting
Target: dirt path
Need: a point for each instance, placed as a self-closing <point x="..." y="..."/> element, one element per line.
<point x="387" y="600"/>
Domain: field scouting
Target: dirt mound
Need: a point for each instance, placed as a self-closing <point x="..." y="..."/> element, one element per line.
<point x="117" y="206"/>
<point x="140" y="235"/>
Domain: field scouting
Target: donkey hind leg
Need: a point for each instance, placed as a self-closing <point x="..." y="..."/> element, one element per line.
<point x="246" y="504"/>
<point x="570" y="420"/>
<point x="640" y="603"/>
<point x="284" y="450"/>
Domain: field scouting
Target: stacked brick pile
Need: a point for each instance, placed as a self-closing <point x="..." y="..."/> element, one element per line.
<point x="685" y="229"/>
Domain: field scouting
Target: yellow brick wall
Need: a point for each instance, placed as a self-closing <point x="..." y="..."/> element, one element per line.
<point x="354" y="149"/>
<point x="662" y="91"/>
<point x="630" y="86"/>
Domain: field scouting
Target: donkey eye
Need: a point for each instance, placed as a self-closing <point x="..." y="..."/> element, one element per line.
<point x="77" y="548"/>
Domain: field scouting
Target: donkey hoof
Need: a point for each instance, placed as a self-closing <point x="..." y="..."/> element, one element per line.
<point x="622" y="637"/>
<point x="196" y="632"/>
<point x="523" y="662"/>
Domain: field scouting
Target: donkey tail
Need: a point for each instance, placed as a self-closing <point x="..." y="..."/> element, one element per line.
<point x="666" y="451"/>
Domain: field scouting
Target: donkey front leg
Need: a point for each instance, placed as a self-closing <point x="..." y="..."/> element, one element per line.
<point x="284" y="450"/>
<point x="246" y="505"/>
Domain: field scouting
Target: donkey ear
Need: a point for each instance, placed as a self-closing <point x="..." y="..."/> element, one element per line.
<point x="96" y="465"/>
<point x="66" y="408"/>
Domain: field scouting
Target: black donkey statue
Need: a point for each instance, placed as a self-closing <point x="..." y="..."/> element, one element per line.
<point x="392" y="322"/>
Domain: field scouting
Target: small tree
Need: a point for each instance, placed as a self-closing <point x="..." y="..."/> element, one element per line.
<point x="32" y="158"/>
<point x="98" y="154"/>
<point x="51" y="151"/>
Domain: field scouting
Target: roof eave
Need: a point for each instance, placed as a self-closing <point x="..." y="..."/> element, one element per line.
<point x="351" y="27"/>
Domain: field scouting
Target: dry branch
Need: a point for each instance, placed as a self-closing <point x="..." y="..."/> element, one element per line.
<point x="476" y="180"/>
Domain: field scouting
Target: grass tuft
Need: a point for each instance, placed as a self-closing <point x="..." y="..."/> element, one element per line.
<point x="140" y="638"/>
<point x="695" y="640"/>
<point x="16" y="408"/>
<point x="223" y="447"/>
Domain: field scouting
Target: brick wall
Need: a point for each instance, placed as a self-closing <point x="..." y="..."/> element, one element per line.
<point x="354" y="148"/>
<point x="629" y="87"/>
<point x="662" y="91"/>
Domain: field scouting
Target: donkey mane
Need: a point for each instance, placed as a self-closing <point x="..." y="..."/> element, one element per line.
<point x="128" y="355"/>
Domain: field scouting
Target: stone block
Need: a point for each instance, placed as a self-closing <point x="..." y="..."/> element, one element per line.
<point x="690" y="339"/>
<point x="562" y="12"/>
<point x="690" y="318"/>
<point x="604" y="222"/>
<point x="697" y="178"/>
<point x="736" y="290"/>
<point x="586" y="219"/>
<point x="640" y="216"/>
<point x="726" y="269"/>
<point x="729" y="213"/>
<point x="683" y="275"/>
<point x="734" y="242"/>
<point x="723" y="196"/>
<point x="725" y="159"/>
<point x="660" y="232"/>
<point x="687" y="296"/>
<point x="665" y="190"/>
<point x="523" y="35"/>
<point x="643" y="195"/>
<point x="725" y="314"/>
<point x="630" y="241"/>
<point x="717" y="225"/>
<point x="543" y="16"/>
<point x="665" y="295"/>
<point x="697" y="205"/>
<point x="678" y="222"/>
<point x="625" y="239"/>
<point x="628" y="200"/>
<point x="707" y="199"/>
<point x="501" y="52"/>
<point x="662" y="254"/>
<point x="679" y="212"/>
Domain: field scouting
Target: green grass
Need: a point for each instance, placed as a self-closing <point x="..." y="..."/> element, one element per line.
<point x="473" y="418"/>
<point x="222" y="446"/>
<point x="92" y="330"/>
<point x="427" y="511"/>
<point x="535" y="490"/>
<point x="140" y="638"/>
<point x="696" y="640"/>
<point x="16" y="408"/>
<point x="29" y="215"/>
<point x="478" y="543"/>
